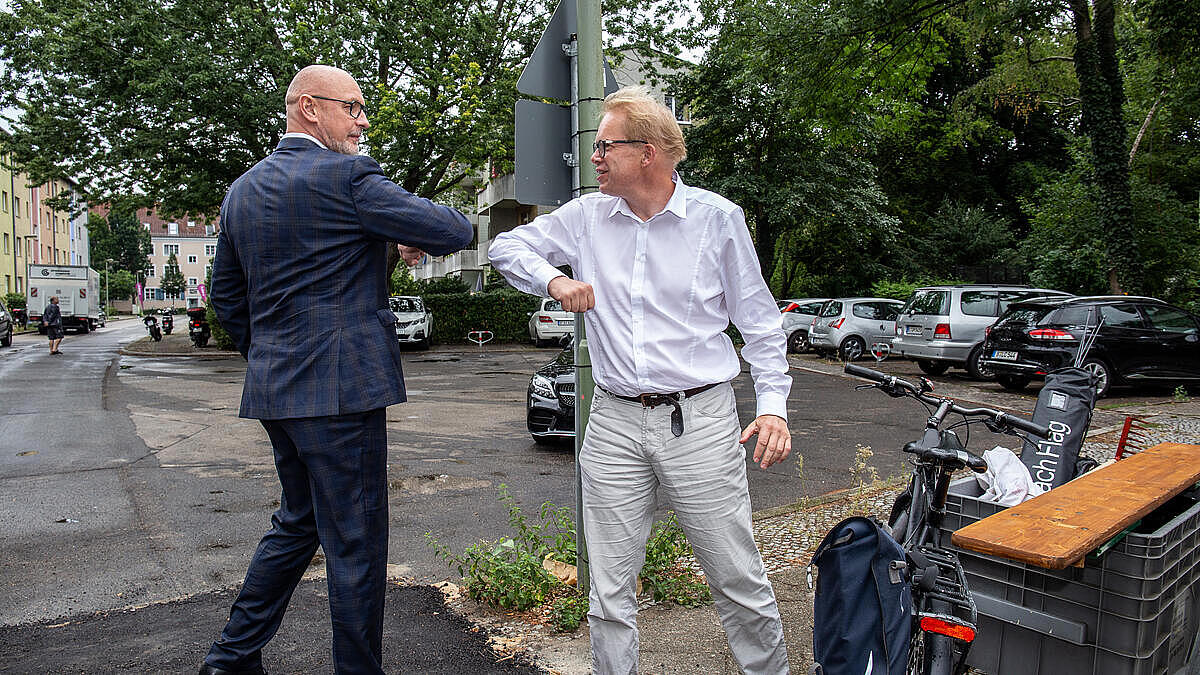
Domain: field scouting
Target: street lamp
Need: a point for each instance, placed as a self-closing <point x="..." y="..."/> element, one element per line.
<point x="107" y="283"/>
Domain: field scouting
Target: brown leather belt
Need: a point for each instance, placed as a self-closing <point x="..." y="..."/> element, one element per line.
<point x="652" y="400"/>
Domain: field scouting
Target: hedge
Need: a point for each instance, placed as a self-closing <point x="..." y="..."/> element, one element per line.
<point x="505" y="313"/>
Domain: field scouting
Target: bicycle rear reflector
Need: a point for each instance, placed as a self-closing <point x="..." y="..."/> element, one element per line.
<point x="958" y="631"/>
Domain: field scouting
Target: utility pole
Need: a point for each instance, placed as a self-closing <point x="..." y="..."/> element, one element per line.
<point x="586" y="104"/>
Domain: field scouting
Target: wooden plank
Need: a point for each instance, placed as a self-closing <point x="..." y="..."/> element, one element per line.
<point x="1058" y="528"/>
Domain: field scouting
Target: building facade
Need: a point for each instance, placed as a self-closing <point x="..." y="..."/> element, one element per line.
<point x="34" y="233"/>
<point x="193" y="241"/>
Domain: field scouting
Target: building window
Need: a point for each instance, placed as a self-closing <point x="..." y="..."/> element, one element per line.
<point x="6" y="244"/>
<point x="16" y="205"/>
<point x="17" y="249"/>
<point x="210" y="230"/>
<point x="5" y="203"/>
<point x="146" y="226"/>
<point x="192" y="259"/>
<point x="191" y="224"/>
<point x="210" y="250"/>
<point x="150" y="271"/>
<point x="173" y="228"/>
<point x="168" y="249"/>
<point x="679" y="109"/>
<point x="192" y="281"/>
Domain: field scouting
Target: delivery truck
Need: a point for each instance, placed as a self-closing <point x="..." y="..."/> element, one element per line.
<point x="77" y="288"/>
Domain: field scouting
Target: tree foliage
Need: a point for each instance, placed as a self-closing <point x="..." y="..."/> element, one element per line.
<point x="172" y="282"/>
<point x="119" y="238"/>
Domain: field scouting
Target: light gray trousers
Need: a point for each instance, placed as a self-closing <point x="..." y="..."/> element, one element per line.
<point x="628" y="453"/>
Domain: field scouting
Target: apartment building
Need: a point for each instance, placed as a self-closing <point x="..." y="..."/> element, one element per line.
<point x="193" y="241"/>
<point x="33" y="233"/>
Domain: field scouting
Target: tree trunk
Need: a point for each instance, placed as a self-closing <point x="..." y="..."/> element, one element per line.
<point x="1102" y="96"/>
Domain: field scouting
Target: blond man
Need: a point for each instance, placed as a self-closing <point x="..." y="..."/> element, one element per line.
<point x="661" y="269"/>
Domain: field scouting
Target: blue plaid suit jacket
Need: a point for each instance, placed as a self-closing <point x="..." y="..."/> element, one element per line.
<point x="299" y="280"/>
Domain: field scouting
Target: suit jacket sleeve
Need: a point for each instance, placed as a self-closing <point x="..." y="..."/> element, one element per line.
<point x="391" y="213"/>
<point x="228" y="294"/>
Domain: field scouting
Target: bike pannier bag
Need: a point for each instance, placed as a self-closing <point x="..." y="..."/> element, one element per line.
<point x="862" y="614"/>
<point x="1065" y="407"/>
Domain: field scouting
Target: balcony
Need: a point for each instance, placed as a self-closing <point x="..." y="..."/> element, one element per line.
<point x="497" y="192"/>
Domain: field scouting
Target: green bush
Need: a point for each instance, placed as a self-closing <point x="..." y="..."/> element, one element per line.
<point x="504" y="312"/>
<point x="900" y="290"/>
<point x="218" y="334"/>
<point x="14" y="300"/>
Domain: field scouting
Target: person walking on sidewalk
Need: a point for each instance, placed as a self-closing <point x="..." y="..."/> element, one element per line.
<point x="300" y="284"/>
<point x="661" y="269"/>
<point x="52" y="320"/>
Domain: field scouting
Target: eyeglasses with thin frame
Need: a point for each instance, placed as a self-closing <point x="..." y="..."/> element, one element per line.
<point x="355" y="108"/>
<point x="602" y="145"/>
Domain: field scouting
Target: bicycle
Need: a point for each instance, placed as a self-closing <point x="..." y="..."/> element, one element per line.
<point x="944" y="614"/>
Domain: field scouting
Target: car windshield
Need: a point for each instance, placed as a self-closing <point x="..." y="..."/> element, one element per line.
<point x="406" y="304"/>
<point x="928" y="302"/>
<point x="1025" y="315"/>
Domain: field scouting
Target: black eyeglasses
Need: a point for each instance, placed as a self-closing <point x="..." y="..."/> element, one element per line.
<point x="355" y="108"/>
<point x="602" y="145"/>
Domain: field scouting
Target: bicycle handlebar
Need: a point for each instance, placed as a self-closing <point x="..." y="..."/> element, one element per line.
<point x="895" y="386"/>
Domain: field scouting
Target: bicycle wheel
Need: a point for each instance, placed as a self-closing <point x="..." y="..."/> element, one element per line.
<point x="939" y="654"/>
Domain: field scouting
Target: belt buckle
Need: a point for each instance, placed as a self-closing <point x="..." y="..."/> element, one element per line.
<point x="648" y="400"/>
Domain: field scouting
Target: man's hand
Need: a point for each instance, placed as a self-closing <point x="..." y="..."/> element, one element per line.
<point x="411" y="255"/>
<point x="575" y="296"/>
<point x="774" y="439"/>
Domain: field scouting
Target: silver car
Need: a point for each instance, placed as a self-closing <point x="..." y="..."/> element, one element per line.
<point x="944" y="326"/>
<point x="853" y="326"/>
<point x="550" y="324"/>
<point x="414" y="321"/>
<point x="798" y="314"/>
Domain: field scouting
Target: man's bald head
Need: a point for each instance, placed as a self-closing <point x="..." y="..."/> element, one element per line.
<point x="319" y="103"/>
<point x="315" y="80"/>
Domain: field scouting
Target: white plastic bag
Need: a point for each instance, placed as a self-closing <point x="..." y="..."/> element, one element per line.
<point x="1007" y="481"/>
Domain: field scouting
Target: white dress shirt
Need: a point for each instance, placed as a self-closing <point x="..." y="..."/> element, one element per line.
<point x="666" y="289"/>
<point x="301" y="134"/>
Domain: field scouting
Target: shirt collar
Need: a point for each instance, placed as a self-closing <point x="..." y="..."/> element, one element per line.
<point x="301" y="134"/>
<point x="677" y="204"/>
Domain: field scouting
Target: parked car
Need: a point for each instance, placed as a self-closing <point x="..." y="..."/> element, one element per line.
<point x="550" y="403"/>
<point x="6" y="325"/>
<point x="944" y="326"/>
<point x="414" y="321"/>
<point x="1140" y="340"/>
<point x="797" y="318"/>
<point x="550" y="324"/>
<point x="850" y="326"/>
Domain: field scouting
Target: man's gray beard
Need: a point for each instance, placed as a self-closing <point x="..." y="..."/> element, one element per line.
<point x="344" y="147"/>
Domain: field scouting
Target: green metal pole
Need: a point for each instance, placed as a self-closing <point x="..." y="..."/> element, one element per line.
<point x="590" y="88"/>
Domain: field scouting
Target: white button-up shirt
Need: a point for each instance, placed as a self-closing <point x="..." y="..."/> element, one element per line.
<point x="666" y="289"/>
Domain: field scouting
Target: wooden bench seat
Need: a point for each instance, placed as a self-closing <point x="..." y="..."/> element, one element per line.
<point x="1060" y="527"/>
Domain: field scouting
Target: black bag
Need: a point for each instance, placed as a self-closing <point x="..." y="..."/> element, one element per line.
<point x="1065" y="407"/>
<point x="862" y="613"/>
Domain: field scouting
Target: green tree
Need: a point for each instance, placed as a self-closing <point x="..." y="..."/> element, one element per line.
<point x="171" y="101"/>
<point x="402" y="282"/>
<point x="172" y="282"/>
<point x="119" y="238"/>
<point x="14" y="300"/>
<point x="119" y="284"/>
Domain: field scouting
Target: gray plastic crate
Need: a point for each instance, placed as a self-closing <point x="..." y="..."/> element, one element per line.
<point x="1135" y="610"/>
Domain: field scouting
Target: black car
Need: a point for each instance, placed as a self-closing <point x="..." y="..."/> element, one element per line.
<point x="550" y="404"/>
<point x="1141" y="340"/>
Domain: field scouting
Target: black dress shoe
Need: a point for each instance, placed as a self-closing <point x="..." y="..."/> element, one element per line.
<point x="206" y="669"/>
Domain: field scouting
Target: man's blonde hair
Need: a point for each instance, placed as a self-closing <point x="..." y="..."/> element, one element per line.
<point x="647" y="120"/>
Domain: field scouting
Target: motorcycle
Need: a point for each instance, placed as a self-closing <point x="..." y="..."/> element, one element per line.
<point x="152" y="326"/>
<point x="198" y="328"/>
<point x="168" y="322"/>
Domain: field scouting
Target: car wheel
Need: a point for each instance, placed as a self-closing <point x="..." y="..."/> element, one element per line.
<point x="975" y="368"/>
<point x="1013" y="382"/>
<point x="798" y="342"/>
<point x="7" y="339"/>
<point x="1102" y="373"/>
<point x="852" y="348"/>
<point x="932" y="367"/>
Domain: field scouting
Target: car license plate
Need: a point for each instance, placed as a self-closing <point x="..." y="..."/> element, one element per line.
<point x="566" y="323"/>
<point x="1004" y="356"/>
<point x="912" y="330"/>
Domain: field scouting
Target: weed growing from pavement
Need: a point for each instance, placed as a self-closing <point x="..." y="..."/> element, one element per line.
<point x="1181" y="395"/>
<point x="509" y="573"/>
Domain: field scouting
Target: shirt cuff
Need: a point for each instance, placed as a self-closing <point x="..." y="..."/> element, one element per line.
<point x="545" y="276"/>
<point x="772" y="404"/>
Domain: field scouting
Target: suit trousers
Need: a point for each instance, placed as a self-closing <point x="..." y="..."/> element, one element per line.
<point x="333" y="471"/>
<point x="628" y="454"/>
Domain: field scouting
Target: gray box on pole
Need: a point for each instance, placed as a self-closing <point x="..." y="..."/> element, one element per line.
<point x="543" y="135"/>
